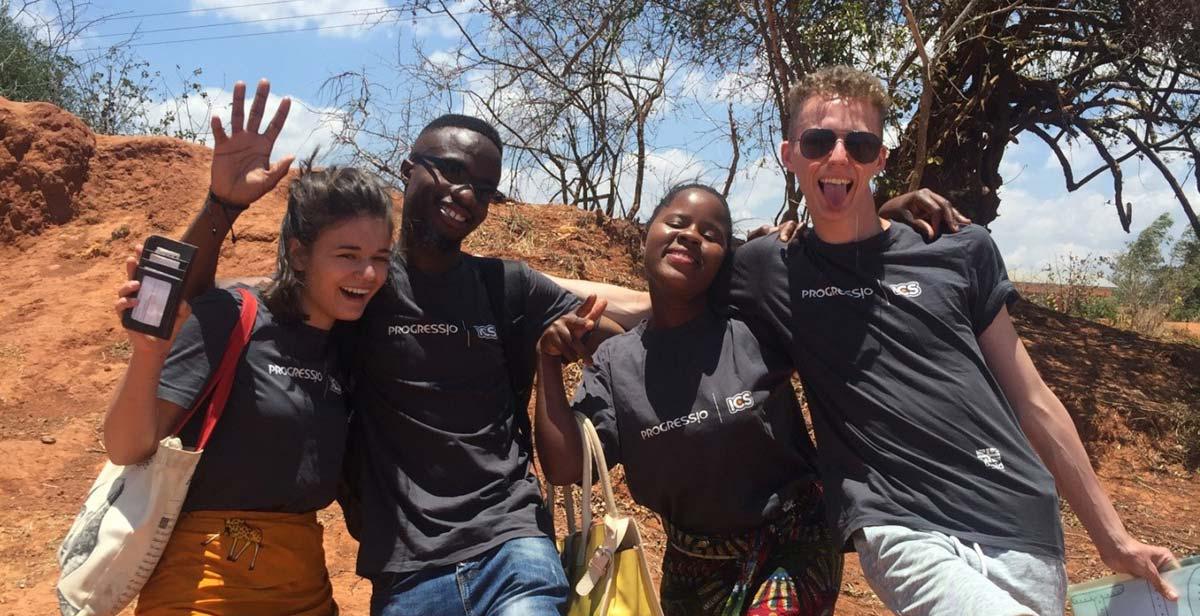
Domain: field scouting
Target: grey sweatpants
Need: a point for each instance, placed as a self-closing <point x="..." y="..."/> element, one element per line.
<point x="919" y="573"/>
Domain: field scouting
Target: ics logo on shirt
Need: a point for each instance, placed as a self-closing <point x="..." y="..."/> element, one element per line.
<point x="739" y="402"/>
<point x="906" y="289"/>
<point x="486" y="332"/>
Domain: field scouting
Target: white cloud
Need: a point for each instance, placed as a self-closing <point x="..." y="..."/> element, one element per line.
<point x="757" y="194"/>
<point x="664" y="168"/>
<point x="1081" y="153"/>
<point x="754" y="199"/>
<point x="307" y="127"/>
<point x="742" y="88"/>
<point x="1033" y="230"/>
<point x="36" y="17"/>
<point x="1011" y="171"/>
<point x="342" y="18"/>
<point x="45" y="22"/>
<point x="444" y="60"/>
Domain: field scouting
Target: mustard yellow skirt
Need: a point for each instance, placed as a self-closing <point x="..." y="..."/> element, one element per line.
<point x="221" y="563"/>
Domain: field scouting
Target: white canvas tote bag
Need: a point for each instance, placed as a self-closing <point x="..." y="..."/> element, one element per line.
<point x="130" y="511"/>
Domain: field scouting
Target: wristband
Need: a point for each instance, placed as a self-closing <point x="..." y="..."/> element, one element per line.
<point x="212" y="197"/>
<point x="226" y="208"/>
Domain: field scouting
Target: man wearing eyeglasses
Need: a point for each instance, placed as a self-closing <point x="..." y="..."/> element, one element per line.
<point x="452" y="521"/>
<point x="449" y="519"/>
<point x="940" y="445"/>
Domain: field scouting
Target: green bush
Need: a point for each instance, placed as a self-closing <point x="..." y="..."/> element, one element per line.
<point x="1152" y="288"/>
<point x="31" y="70"/>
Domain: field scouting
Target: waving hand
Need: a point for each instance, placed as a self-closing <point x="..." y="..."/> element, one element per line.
<point x="242" y="171"/>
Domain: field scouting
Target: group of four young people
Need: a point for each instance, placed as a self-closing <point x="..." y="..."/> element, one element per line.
<point x="935" y="431"/>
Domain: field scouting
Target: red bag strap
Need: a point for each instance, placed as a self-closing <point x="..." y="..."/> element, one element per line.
<point x="219" y="386"/>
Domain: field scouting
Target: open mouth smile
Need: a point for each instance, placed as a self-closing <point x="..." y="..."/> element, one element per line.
<point x="454" y="213"/>
<point x="355" y="293"/>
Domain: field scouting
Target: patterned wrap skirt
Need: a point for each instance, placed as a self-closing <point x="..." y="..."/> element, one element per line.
<point x="789" y="567"/>
<point x="221" y="563"/>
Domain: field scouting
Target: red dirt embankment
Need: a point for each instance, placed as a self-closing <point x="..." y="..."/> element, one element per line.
<point x="61" y="349"/>
<point x="44" y="158"/>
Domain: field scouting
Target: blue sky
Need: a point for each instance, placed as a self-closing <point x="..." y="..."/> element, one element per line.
<point x="1039" y="218"/>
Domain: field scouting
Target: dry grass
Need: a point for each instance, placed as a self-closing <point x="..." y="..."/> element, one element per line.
<point x="120" y="350"/>
<point x="1123" y="389"/>
<point x="11" y="353"/>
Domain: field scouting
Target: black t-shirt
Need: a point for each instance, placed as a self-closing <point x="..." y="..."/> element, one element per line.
<point x="442" y="476"/>
<point x="279" y="444"/>
<point x="705" y="422"/>
<point x="911" y="425"/>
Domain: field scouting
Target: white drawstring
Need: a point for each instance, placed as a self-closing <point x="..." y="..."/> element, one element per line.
<point x="982" y="562"/>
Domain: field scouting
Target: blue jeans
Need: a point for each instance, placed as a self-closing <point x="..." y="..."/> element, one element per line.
<point x="521" y="576"/>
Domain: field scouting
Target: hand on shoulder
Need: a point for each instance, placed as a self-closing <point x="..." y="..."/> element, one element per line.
<point x="929" y="213"/>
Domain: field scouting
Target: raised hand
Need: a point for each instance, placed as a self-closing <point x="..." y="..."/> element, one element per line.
<point x="564" y="337"/>
<point x="926" y="211"/>
<point x="242" y="171"/>
<point x="144" y="344"/>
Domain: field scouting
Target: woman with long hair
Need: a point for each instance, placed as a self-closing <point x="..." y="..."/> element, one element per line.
<point x="248" y="540"/>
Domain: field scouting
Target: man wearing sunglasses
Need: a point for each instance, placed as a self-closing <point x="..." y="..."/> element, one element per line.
<point x="940" y="445"/>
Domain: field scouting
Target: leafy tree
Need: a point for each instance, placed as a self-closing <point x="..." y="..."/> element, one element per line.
<point x="576" y="94"/>
<point x="969" y="77"/>
<point x="122" y="89"/>
<point x="31" y="69"/>
<point x="1072" y="280"/>
<point x="113" y="91"/>
<point x="769" y="45"/>
<point x="1119" y="76"/>
<point x="1144" y="282"/>
<point x="1185" y="257"/>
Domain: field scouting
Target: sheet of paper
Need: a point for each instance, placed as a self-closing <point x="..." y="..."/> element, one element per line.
<point x="1122" y="595"/>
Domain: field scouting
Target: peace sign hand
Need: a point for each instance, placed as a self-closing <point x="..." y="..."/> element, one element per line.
<point x="564" y="337"/>
<point x="241" y="167"/>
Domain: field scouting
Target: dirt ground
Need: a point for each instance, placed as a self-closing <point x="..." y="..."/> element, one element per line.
<point x="1189" y="329"/>
<point x="62" y="351"/>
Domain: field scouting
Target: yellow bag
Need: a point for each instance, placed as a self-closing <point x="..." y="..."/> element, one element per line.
<point x="607" y="573"/>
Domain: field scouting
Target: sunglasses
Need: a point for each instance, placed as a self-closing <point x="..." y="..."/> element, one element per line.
<point x="819" y="142"/>
<point x="456" y="175"/>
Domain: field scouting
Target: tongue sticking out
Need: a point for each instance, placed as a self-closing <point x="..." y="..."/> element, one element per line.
<point x="835" y="194"/>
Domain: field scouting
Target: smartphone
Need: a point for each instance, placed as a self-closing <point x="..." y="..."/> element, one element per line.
<point x="162" y="270"/>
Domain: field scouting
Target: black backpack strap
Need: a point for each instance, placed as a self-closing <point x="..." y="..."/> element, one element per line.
<point x="507" y="285"/>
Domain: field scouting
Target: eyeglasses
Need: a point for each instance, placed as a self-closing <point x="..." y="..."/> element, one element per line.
<point x="456" y="175"/>
<point x="819" y="142"/>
